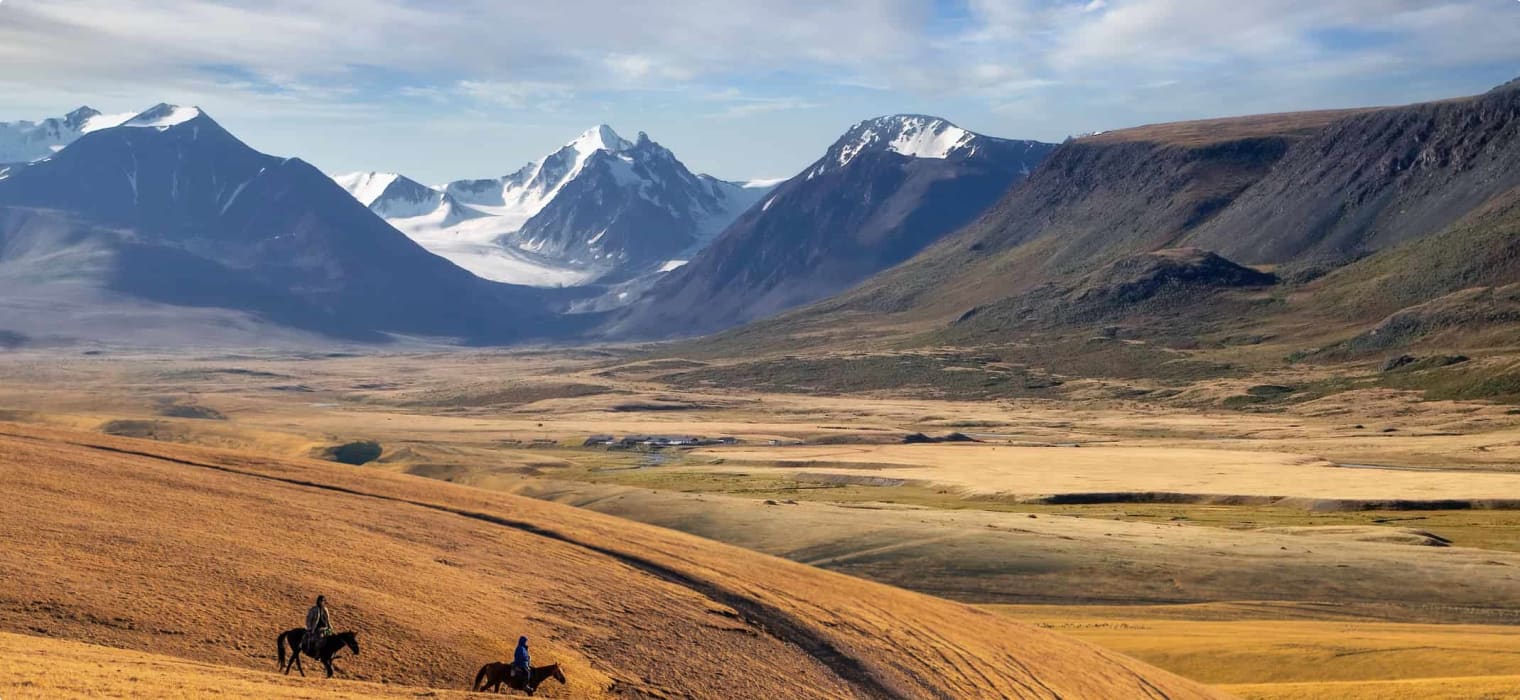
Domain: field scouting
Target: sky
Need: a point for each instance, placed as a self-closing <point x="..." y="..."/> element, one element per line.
<point x="442" y="90"/>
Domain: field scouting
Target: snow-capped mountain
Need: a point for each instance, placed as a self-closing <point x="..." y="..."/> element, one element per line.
<point x="168" y="226"/>
<point x="599" y="208"/>
<point x="25" y="141"/>
<point x="911" y="135"/>
<point x="888" y="188"/>
<point x="395" y="196"/>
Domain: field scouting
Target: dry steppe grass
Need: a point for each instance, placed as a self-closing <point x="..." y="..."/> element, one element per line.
<point x="958" y="528"/>
<point x="1206" y="131"/>
<point x="38" y="668"/>
<point x="206" y="554"/>
<point x="1292" y="652"/>
<point x="1051" y="471"/>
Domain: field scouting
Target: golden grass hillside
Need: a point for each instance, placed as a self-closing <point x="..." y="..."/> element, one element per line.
<point x="35" y="668"/>
<point x="207" y="554"/>
<point x="1266" y="651"/>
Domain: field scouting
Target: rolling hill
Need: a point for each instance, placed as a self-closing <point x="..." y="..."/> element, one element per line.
<point x="206" y="555"/>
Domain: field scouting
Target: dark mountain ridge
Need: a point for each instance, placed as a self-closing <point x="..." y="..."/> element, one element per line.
<point x="880" y="194"/>
<point x="1374" y="180"/>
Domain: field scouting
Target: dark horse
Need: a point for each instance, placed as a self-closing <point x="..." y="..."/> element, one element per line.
<point x="330" y="646"/>
<point x="496" y="673"/>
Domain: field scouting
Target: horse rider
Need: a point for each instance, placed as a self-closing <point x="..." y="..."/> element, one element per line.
<point x="318" y="625"/>
<point x="522" y="666"/>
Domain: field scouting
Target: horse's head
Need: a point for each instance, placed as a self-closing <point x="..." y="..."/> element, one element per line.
<point x="558" y="674"/>
<point x="351" y="639"/>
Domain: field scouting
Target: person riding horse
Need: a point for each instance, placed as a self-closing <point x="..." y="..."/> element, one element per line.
<point x="522" y="665"/>
<point x="318" y="624"/>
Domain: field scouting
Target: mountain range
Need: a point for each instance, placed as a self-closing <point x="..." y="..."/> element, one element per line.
<point x="118" y="233"/>
<point x="599" y="209"/>
<point x="25" y="141"/>
<point x="1317" y="236"/>
<point x="884" y="191"/>
<point x="1311" y="236"/>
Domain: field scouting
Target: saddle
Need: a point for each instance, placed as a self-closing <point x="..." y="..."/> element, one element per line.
<point x="313" y="640"/>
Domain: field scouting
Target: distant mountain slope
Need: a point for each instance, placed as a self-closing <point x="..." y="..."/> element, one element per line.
<point x="1359" y="184"/>
<point x="1374" y="180"/>
<point x="24" y="141"/>
<point x="1368" y="219"/>
<point x="600" y="208"/>
<point x="171" y="209"/>
<point x="394" y="196"/>
<point x="886" y="189"/>
<point x="1094" y="201"/>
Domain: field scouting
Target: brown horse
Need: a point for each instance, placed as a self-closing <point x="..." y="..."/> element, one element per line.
<point x="495" y="674"/>
<point x="328" y="648"/>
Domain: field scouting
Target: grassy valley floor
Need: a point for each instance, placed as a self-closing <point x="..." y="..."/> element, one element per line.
<point x="1376" y="533"/>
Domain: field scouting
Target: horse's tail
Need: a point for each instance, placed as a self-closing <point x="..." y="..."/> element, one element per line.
<point x="480" y="678"/>
<point x="279" y="645"/>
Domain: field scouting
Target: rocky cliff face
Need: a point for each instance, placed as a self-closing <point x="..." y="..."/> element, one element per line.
<point x="1374" y="180"/>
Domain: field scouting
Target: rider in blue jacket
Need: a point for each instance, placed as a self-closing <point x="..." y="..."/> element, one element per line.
<point x="521" y="665"/>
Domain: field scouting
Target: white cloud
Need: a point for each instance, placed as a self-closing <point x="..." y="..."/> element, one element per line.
<point x="520" y="94"/>
<point x="588" y="42"/>
<point x="738" y="105"/>
<point x="642" y="67"/>
<point x="581" y="46"/>
<point x="1036" y="68"/>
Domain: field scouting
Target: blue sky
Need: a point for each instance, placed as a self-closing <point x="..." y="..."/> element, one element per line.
<point x="737" y="88"/>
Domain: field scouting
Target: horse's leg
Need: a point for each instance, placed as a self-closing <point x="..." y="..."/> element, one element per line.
<point x="327" y="662"/>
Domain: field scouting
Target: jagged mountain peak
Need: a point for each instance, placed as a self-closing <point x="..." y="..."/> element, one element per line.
<point x="163" y="116"/>
<point x="25" y="141"/>
<point x="599" y="207"/>
<point x="396" y="196"/>
<point x="1511" y="86"/>
<point x="910" y="135"/>
<point x="367" y="186"/>
<point x="81" y="116"/>
<point x="600" y="138"/>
